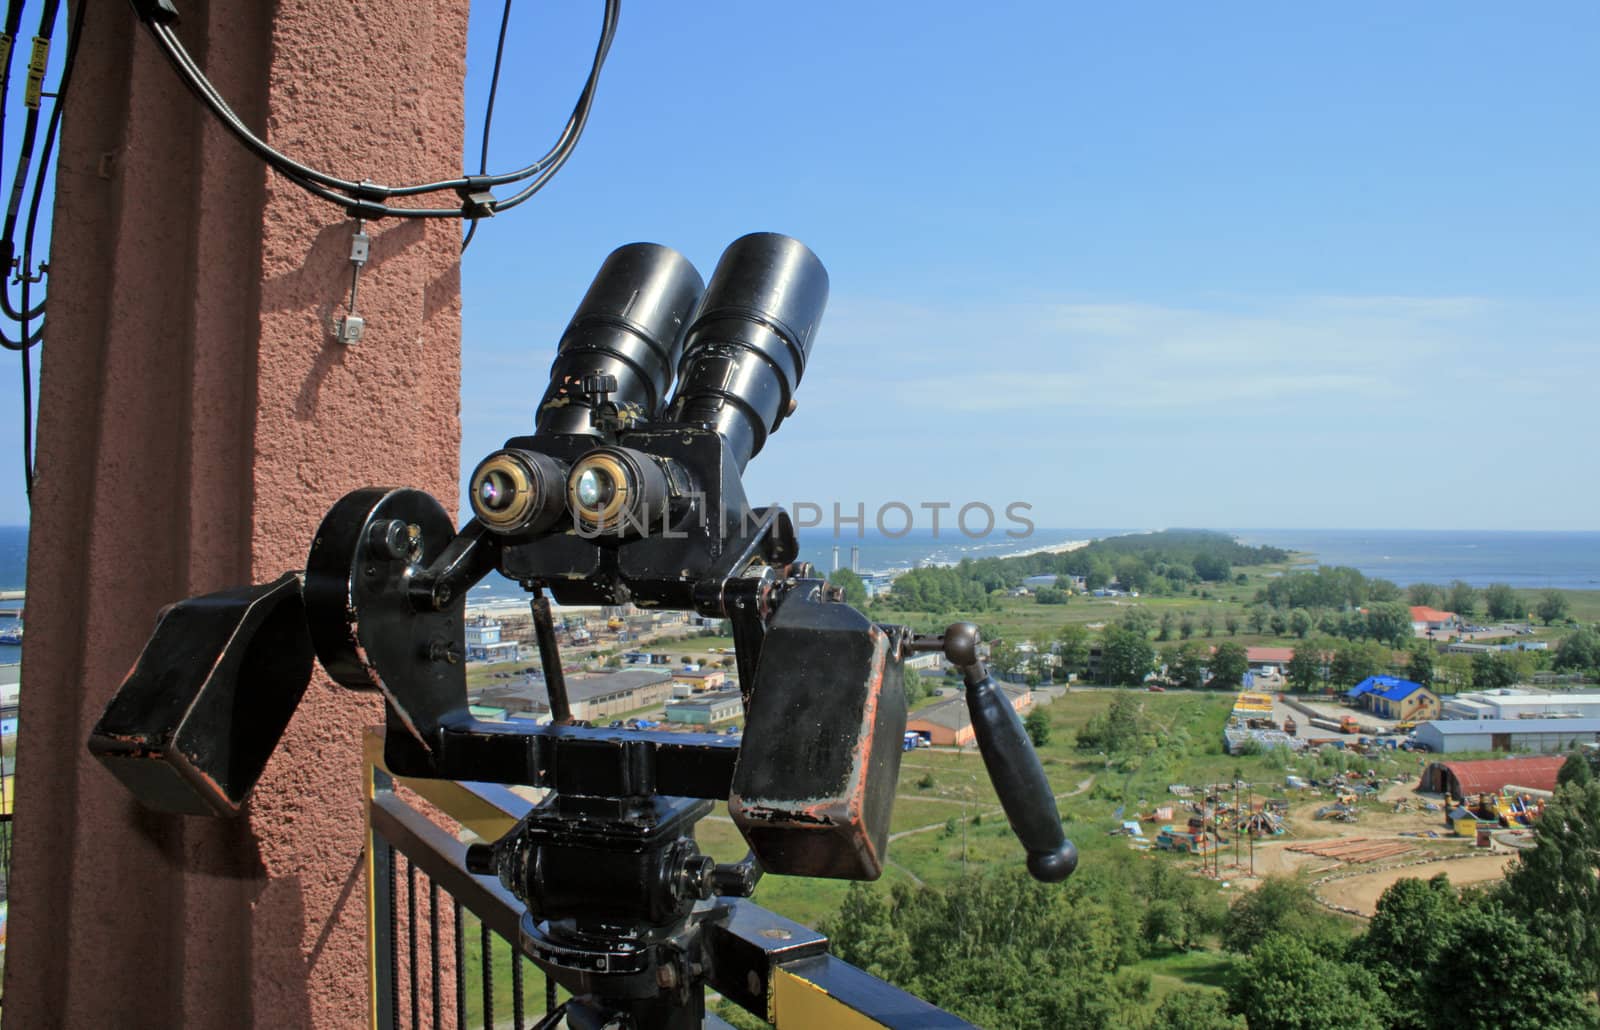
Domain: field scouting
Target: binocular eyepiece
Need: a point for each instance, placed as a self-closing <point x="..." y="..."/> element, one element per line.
<point x="737" y="348"/>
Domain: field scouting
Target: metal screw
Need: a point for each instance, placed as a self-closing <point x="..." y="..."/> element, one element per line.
<point x="444" y="651"/>
<point x="388" y="539"/>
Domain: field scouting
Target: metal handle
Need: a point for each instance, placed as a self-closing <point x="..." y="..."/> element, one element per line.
<point x="1009" y="756"/>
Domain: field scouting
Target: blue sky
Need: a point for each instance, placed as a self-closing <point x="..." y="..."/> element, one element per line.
<point x="1157" y="265"/>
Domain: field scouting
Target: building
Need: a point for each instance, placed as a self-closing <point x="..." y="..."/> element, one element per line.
<point x="948" y="723"/>
<point x="1459" y="779"/>
<point x="707" y="709"/>
<point x="1541" y="735"/>
<point x="1394" y="698"/>
<point x="1522" y="703"/>
<point x="697" y="680"/>
<point x="1267" y="661"/>
<point x="484" y="643"/>
<point x="593" y="697"/>
<point x="1427" y="622"/>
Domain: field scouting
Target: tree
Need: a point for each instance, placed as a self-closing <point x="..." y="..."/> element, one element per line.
<point x="1165" y="633"/>
<point x="1353" y="662"/>
<point x="1280" y="904"/>
<point x="1229" y="665"/>
<point x="1552" y="606"/>
<point x="1503" y="951"/>
<point x="1390" y="623"/>
<point x="1424" y="594"/>
<point x="1116" y="729"/>
<point x="1126" y="657"/>
<point x="1500" y="601"/>
<point x="1382" y="591"/>
<point x="1072" y="647"/>
<point x="1491" y="670"/>
<point x="1299" y="623"/>
<point x="1231" y="622"/>
<point x="1578" y="652"/>
<point x="1186" y="665"/>
<point x="1258" y="619"/>
<point x="1462" y="598"/>
<point x="1005" y="658"/>
<point x="1194" y="1009"/>
<point x="1038" y="726"/>
<point x="1139" y="620"/>
<point x="1208" y="623"/>
<point x="1279" y="624"/>
<point x="1212" y="568"/>
<point x="1554" y="887"/>
<point x="855" y="590"/>
<point x="1419" y="666"/>
<point x="1289" y="984"/>
<point x="1304" y="671"/>
<point x="1403" y="941"/>
<point x="1575" y="770"/>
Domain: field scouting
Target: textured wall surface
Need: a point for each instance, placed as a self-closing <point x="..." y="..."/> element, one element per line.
<point x="196" y="420"/>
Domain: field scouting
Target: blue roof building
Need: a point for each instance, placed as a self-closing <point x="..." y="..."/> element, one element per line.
<point x="1394" y="698"/>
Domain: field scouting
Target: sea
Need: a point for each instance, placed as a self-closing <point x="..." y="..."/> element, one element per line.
<point x="1525" y="560"/>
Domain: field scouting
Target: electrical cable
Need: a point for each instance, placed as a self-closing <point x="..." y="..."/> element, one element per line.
<point x="368" y="199"/>
<point x="30" y="132"/>
<point x="30" y="336"/>
<point x="488" y="114"/>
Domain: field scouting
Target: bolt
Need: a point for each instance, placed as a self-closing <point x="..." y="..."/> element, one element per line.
<point x="667" y="977"/>
<point x="444" y="651"/>
<point x="387" y="539"/>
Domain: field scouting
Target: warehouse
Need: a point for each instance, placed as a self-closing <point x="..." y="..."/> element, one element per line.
<point x="1459" y="779"/>
<point x="1515" y="703"/>
<point x="1538" y="735"/>
<point x="947" y="723"/>
<point x="706" y="709"/>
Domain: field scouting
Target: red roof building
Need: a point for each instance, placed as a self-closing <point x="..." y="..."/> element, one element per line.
<point x="1421" y="613"/>
<point x="1268" y="655"/>
<point x="1459" y="779"/>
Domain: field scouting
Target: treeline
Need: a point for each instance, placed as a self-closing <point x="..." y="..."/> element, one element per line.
<point x="1337" y="587"/>
<point x="1155" y="563"/>
<point x="1003" y="951"/>
<point x="1500" y="601"/>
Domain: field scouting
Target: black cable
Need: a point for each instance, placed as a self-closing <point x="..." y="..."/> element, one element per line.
<point x="488" y="114"/>
<point x="27" y="338"/>
<point x="30" y="132"/>
<point x="367" y="199"/>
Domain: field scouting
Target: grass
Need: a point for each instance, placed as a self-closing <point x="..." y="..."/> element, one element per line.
<point x="1172" y="970"/>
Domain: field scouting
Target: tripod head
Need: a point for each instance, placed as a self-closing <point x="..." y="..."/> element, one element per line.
<point x="623" y="494"/>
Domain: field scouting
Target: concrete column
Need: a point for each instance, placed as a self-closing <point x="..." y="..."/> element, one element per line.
<point x="195" y="422"/>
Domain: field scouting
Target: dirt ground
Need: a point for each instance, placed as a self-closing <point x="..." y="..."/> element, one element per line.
<point x="1377" y="821"/>
<point x="1362" y="892"/>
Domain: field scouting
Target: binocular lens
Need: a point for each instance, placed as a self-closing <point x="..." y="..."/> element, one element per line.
<point x="745" y="353"/>
<point x="515" y="491"/>
<point x="629" y="326"/>
<point x="595" y="487"/>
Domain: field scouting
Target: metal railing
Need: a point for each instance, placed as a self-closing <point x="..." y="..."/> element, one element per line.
<point x="445" y="944"/>
<point x="442" y="941"/>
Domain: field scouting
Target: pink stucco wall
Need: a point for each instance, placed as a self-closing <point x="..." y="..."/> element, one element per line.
<point x="196" y="420"/>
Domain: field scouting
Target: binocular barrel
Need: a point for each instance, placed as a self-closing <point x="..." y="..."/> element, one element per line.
<point x="746" y="351"/>
<point x="630" y="326"/>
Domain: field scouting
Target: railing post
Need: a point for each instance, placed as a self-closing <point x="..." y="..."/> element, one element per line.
<point x="380" y="895"/>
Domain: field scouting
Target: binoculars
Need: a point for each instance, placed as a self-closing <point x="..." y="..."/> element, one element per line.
<point x="629" y="490"/>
